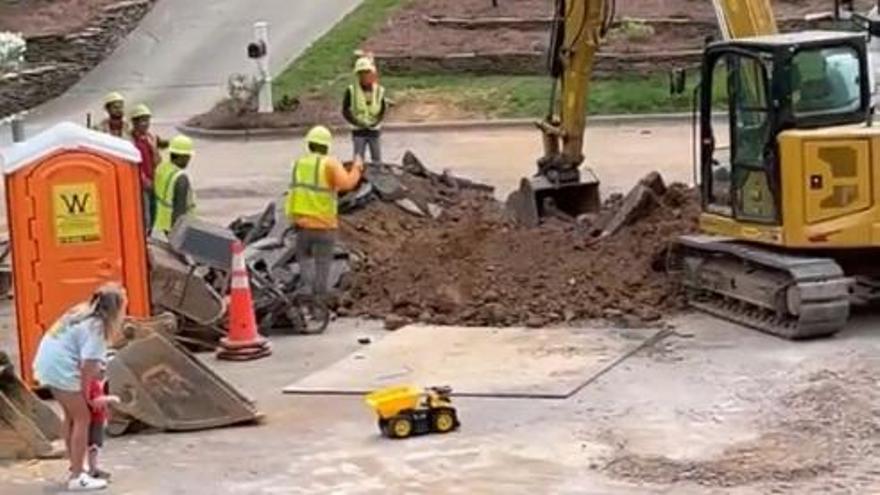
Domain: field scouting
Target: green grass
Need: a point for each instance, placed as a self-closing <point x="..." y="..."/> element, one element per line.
<point x="324" y="70"/>
<point x="329" y="59"/>
<point x="527" y="96"/>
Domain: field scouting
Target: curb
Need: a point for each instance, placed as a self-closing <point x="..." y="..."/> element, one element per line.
<point x="452" y="125"/>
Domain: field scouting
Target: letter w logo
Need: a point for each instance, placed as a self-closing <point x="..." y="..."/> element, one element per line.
<point x="76" y="204"/>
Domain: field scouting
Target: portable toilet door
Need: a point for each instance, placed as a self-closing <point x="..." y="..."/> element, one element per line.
<point x="74" y="208"/>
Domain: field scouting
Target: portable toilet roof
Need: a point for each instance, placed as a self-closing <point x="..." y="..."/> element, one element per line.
<point x="65" y="136"/>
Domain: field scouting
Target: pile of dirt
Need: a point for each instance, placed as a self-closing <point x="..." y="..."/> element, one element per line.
<point x="473" y="266"/>
<point x="304" y="112"/>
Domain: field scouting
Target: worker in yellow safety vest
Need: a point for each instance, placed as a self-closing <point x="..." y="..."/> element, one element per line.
<point x="364" y="108"/>
<point x="171" y="185"/>
<point x="316" y="180"/>
<point x="115" y="123"/>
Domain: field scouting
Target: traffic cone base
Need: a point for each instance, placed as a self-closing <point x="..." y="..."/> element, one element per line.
<point x="244" y="356"/>
<point x="244" y="352"/>
<point x="227" y="344"/>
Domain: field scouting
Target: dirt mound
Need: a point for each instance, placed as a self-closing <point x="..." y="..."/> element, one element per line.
<point x="298" y="113"/>
<point x="472" y="266"/>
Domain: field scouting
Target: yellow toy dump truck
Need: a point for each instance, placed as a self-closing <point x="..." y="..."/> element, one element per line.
<point x="406" y="410"/>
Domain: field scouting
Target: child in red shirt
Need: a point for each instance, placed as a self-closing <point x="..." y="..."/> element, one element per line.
<point x="98" y="402"/>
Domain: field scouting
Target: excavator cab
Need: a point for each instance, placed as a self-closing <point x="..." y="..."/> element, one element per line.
<point x="764" y="86"/>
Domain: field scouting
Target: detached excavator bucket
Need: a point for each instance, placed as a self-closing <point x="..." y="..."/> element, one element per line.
<point x="176" y="287"/>
<point x="162" y="385"/>
<point x="538" y="197"/>
<point x="27" y="425"/>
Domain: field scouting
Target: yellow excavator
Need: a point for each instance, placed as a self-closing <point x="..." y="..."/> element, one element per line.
<point x="789" y="178"/>
<point x="789" y="181"/>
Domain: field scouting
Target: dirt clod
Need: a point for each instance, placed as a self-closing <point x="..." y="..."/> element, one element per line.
<point x="395" y="322"/>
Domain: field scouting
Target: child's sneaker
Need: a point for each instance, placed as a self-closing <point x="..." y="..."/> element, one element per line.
<point x="99" y="474"/>
<point x="85" y="483"/>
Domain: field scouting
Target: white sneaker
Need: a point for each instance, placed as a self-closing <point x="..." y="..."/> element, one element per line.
<point x="85" y="483"/>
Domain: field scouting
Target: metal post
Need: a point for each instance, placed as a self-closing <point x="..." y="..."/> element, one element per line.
<point x="261" y="35"/>
<point x="16" y="124"/>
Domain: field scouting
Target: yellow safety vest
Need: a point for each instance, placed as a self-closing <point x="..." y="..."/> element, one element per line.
<point x="163" y="189"/>
<point x="310" y="193"/>
<point x="367" y="110"/>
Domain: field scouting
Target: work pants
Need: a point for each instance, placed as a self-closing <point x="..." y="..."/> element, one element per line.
<point x="149" y="209"/>
<point x="361" y="142"/>
<point x="314" y="253"/>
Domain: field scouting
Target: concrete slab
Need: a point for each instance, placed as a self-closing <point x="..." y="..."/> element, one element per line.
<point x="551" y="363"/>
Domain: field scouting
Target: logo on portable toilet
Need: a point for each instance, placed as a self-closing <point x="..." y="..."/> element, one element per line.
<point x="77" y="213"/>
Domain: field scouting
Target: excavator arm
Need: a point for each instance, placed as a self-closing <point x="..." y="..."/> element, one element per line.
<point x="560" y="187"/>
<point x="580" y="26"/>
<point x="745" y="18"/>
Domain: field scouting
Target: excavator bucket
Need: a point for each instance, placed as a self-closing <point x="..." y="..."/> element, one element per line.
<point x="162" y="385"/>
<point x="28" y="427"/>
<point x="538" y="197"/>
<point x="178" y="288"/>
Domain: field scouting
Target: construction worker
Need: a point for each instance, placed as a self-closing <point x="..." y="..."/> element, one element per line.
<point x="148" y="144"/>
<point x="364" y="108"/>
<point x="316" y="180"/>
<point x="114" y="124"/>
<point x="171" y="185"/>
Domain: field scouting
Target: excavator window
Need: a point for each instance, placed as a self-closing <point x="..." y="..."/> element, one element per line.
<point x="753" y="198"/>
<point x="739" y="182"/>
<point x="719" y="200"/>
<point x="825" y="81"/>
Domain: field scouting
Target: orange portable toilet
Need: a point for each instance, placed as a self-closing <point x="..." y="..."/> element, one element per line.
<point x="74" y="208"/>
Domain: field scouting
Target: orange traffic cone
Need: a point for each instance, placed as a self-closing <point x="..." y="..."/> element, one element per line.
<point x="243" y="341"/>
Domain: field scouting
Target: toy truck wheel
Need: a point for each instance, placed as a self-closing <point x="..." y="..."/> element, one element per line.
<point x="444" y="420"/>
<point x="400" y="426"/>
<point x="383" y="426"/>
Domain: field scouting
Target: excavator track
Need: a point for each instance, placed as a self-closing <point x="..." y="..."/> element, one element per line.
<point x="790" y="296"/>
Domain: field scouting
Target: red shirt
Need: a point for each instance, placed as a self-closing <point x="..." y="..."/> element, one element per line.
<point x="144" y="144"/>
<point x="96" y="389"/>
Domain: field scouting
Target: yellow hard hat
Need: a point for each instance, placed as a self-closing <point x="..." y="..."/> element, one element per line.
<point x="320" y="135"/>
<point x="113" y="97"/>
<point x="181" y="145"/>
<point x="364" y="64"/>
<point x="141" y="110"/>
